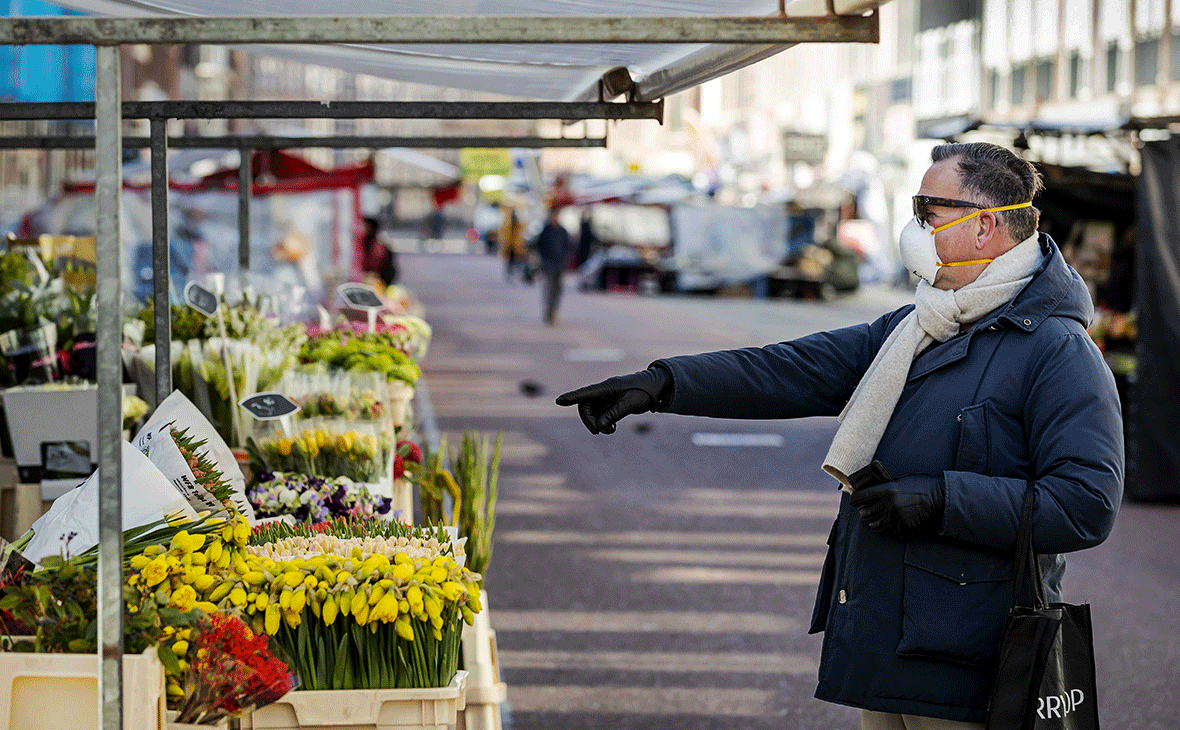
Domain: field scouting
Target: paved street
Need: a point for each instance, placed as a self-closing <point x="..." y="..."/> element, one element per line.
<point x="663" y="577"/>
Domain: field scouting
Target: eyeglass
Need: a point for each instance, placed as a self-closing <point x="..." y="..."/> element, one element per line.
<point x="923" y="203"/>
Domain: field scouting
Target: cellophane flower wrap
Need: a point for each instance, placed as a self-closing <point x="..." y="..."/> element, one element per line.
<point x="313" y="499"/>
<point x="231" y="671"/>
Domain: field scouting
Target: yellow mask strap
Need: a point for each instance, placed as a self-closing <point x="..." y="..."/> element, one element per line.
<point x="981" y="210"/>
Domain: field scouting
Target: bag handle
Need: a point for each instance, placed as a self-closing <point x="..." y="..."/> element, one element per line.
<point x="1028" y="568"/>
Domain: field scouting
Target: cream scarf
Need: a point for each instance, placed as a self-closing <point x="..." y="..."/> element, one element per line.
<point x="937" y="316"/>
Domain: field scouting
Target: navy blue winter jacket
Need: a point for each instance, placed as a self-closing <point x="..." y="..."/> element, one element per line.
<point x="1024" y="396"/>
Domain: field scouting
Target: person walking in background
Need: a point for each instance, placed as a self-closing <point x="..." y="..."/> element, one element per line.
<point x="379" y="260"/>
<point x="553" y="247"/>
<point x="586" y="238"/>
<point x="951" y="410"/>
<point x="512" y="245"/>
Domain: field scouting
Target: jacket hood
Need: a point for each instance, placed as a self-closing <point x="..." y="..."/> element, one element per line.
<point x="1055" y="290"/>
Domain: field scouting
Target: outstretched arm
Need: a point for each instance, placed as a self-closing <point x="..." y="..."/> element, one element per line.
<point x="811" y="376"/>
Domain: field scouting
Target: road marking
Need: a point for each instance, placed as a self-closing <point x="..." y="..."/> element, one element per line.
<point x="728" y="576"/>
<point x="594" y="355"/>
<point x="704" y="701"/>
<point x="643" y="661"/>
<point x="712" y="557"/>
<point x="768" y="495"/>
<point x="514" y="507"/>
<point x="475" y="363"/>
<point x="703" y="438"/>
<point x="555" y="493"/>
<point x="719" y="509"/>
<point x="660" y="622"/>
<point x="695" y="539"/>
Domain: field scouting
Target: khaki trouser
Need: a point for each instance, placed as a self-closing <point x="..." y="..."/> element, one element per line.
<point x="888" y="721"/>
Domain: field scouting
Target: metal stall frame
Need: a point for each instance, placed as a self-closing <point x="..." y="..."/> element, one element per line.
<point x="108" y="34"/>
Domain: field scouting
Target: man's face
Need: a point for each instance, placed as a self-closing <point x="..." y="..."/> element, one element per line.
<point x="957" y="243"/>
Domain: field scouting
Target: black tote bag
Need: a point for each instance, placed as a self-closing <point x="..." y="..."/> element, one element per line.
<point x="1045" y="672"/>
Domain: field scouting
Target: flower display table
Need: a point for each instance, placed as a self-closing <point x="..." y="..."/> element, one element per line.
<point x="365" y="709"/>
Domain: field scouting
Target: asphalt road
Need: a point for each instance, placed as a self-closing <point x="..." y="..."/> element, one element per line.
<point x="663" y="577"/>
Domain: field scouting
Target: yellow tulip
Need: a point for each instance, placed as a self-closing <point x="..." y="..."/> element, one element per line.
<point x="237" y="597"/>
<point x="298" y="601"/>
<point x="404" y="629"/>
<point x="273" y="616"/>
<point x="330" y="611"/>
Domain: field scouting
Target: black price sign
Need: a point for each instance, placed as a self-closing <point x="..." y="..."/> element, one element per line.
<point x="269" y="406"/>
<point x="201" y="299"/>
<point x="360" y="296"/>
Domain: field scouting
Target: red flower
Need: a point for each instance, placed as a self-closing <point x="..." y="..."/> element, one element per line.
<point x="409" y="451"/>
<point x="232" y="670"/>
<point x="399" y="467"/>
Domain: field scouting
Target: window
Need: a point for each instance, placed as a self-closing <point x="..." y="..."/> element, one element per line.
<point x="1044" y="80"/>
<point x="1112" y="66"/>
<point x="1016" y="92"/>
<point x="1147" y="61"/>
<point x="1075" y="74"/>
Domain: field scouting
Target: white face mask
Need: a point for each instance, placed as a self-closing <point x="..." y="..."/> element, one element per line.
<point x="918" y="252"/>
<point x="917" y="249"/>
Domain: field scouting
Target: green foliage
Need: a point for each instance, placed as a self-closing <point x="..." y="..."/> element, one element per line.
<point x="61" y="601"/>
<point x="472" y="484"/>
<point x="187" y="323"/>
<point x="364" y="353"/>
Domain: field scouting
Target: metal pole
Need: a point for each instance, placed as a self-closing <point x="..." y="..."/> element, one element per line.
<point x="108" y="187"/>
<point x="161" y="268"/>
<point x="259" y="142"/>
<point x="245" y="183"/>
<point x="283" y="109"/>
<point x="393" y="29"/>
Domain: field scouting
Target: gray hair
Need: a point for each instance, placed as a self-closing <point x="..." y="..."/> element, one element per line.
<point x="998" y="176"/>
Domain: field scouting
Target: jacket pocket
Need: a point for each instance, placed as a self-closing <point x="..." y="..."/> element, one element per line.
<point x="955" y="601"/>
<point x="974" y="440"/>
<point x="823" y="595"/>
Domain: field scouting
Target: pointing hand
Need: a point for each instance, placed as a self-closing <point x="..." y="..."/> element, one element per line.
<point x="602" y="405"/>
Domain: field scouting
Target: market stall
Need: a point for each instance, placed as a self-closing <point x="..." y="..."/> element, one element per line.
<point x="166" y="559"/>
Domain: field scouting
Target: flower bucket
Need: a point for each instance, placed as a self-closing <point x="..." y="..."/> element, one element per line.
<point x="364" y="709"/>
<point x="400" y="395"/>
<point x="60" y="691"/>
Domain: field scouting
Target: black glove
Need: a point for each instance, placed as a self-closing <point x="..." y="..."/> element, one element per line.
<point x="905" y="508"/>
<point x="603" y="404"/>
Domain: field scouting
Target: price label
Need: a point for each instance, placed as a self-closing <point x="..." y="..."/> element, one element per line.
<point x="269" y="406"/>
<point x="360" y="296"/>
<point x="201" y="299"/>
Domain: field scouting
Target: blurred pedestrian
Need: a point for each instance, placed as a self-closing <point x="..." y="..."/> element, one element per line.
<point x="513" y="248"/>
<point x="586" y="238"/>
<point x="950" y="411"/>
<point x="553" y="247"/>
<point x="379" y="259"/>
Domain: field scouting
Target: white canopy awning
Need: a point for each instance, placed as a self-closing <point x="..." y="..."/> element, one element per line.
<point x="528" y="71"/>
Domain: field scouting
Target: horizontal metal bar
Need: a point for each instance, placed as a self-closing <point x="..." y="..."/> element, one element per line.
<point x="341" y="110"/>
<point x="269" y="143"/>
<point x="437" y="29"/>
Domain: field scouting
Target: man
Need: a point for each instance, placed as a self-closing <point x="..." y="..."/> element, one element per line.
<point x="553" y="247"/>
<point x="950" y="410"/>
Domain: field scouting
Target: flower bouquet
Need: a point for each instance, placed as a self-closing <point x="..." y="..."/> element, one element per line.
<point x="326" y="449"/>
<point x="313" y="499"/>
<point x="231" y="671"/>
